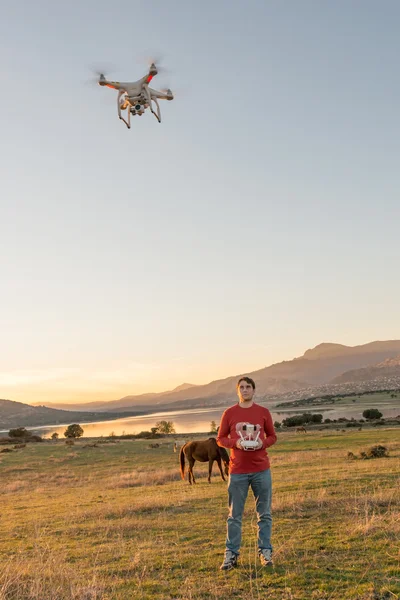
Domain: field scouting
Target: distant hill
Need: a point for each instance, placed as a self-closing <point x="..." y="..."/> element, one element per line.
<point x="17" y="414"/>
<point x="318" y="366"/>
<point x="335" y="350"/>
<point x="391" y="362"/>
<point x="388" y="368"/>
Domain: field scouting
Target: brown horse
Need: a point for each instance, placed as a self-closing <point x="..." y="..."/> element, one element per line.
<point x="203" y="451"/>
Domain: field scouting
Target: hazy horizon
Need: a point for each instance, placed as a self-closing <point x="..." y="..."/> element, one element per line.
<point x="259" y="219"/>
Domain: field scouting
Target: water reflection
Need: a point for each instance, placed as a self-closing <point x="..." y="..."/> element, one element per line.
<point x="185" y="421"/>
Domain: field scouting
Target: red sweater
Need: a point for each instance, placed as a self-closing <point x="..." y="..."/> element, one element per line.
<point x="246" y="461"/>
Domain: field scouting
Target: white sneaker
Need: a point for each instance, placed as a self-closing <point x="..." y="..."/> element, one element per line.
<point x="265" y="557"/>
<point x="230" y="561"/>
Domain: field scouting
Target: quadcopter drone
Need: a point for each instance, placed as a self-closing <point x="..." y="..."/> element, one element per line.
<point x="137" y="96"/>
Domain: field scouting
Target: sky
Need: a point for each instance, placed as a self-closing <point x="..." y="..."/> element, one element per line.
<point x="259" y="219"/>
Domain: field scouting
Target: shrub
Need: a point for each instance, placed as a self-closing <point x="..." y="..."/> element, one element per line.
<point x="372" y="413"/>
<point x="20" y="432"/>
<point x="147" y="435"/>
<point x="375" y="452"/>
<point x="302" y="419"/>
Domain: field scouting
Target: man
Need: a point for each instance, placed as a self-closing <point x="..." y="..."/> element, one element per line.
<point x="247" y="467"/>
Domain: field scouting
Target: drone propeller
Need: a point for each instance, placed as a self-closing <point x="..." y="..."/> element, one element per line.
<point x="154" y="60"/>
<point x="167" y="91"/>
<point x="99" y="71"/>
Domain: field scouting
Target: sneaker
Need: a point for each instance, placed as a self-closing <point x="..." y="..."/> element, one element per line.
<point x="230" y="561"/>
<point x="265" y="557"/>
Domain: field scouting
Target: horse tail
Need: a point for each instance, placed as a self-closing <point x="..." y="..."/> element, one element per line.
<point x="182" y="461"/>
<point x="223" y="454"/>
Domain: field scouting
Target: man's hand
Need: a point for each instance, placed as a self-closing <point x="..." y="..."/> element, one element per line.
<point x="260" y="445"/>
<point x="239" y="444"/>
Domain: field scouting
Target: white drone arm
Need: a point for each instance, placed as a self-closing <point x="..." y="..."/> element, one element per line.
<point x="160" y="95"/>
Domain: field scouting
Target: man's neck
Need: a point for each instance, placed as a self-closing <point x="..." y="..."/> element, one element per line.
<point x="246" y="403"/>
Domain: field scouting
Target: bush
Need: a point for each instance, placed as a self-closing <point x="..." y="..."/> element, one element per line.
<point x="147" y="435"/>
<point x="23" y="434"/>
<point x="277" y="424"/>
<point x="372" y="413"/>
<point x="303" y="419"/>
<point x="375" y="452"/>
<point x="20" y="432"/>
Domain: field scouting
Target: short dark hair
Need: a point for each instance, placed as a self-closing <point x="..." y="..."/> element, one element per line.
<point x="247" y="380"/>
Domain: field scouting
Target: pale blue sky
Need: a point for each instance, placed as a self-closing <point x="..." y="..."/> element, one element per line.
<point x="259" y="219"/>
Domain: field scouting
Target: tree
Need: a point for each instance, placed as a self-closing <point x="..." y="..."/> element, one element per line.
<point x="213" y="427"/>
<point x="303" y="419"/>
<point x="165" y="427"/>
<point x="73" y="431"/>
<point x="54" y="436"/>
<point x="277" y="424"/>
<point x="20" y="432"/>
<point x="372" y="413"/>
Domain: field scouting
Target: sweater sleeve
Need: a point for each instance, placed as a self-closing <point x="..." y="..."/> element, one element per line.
<point x="222" y="438"/>
<point x="270" y="435"/>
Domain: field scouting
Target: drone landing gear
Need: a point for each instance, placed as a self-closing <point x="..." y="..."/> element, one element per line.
<point x="128" y="122"/>
<point x="149" y="101"/>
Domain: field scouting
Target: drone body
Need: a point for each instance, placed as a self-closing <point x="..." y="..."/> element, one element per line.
<point x="137" y="96"/>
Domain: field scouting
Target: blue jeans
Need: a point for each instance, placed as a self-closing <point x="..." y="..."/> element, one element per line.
<point x="238" y="487"/>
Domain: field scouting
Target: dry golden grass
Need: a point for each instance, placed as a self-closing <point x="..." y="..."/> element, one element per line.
<point x="116" y="522"/>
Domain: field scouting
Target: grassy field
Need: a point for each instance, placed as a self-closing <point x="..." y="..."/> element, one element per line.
<point x="115" y="522"/>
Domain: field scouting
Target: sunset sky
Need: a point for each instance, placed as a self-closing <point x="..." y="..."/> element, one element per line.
<point x="258" y="220"/>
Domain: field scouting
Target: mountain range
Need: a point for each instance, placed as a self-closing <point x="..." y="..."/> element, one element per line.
<point x="326" y="364"/>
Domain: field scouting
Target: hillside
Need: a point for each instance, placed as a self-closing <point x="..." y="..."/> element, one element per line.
<point x="17" y="414"/>
<point x="318" y="366"/>
<point x="389" y="368"/>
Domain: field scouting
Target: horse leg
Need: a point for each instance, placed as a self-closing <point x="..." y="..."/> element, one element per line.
<point x="220" y="468"/>
<point x="210" y="465"/>
<point x="191" y="474"/>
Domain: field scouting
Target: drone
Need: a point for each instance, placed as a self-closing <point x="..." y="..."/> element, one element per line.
<point x="135" y="97"/>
